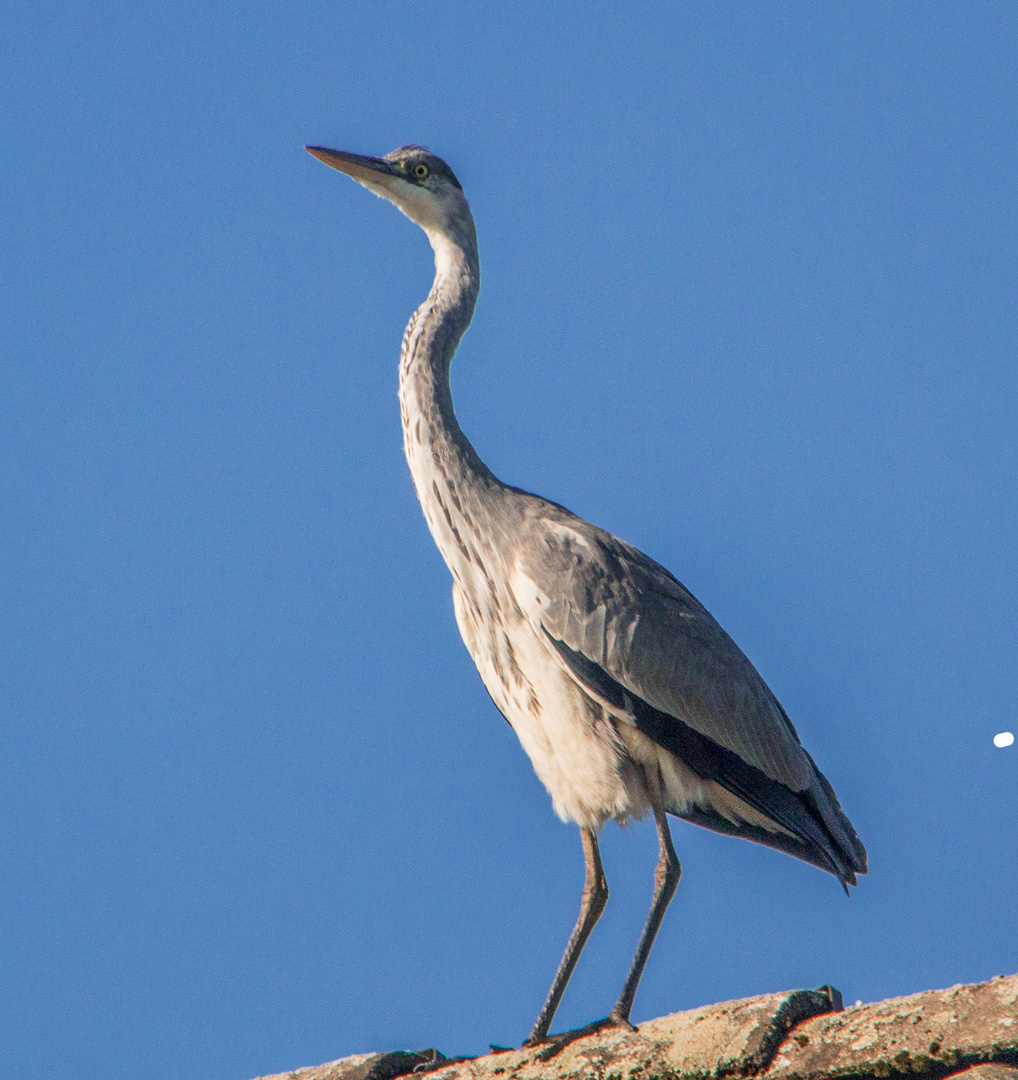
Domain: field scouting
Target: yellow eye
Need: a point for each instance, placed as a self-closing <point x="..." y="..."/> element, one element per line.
<point x="421" y="171"/>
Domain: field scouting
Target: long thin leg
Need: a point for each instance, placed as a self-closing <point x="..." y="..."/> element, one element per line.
<point x="595" y="896"/>
<point x="666" y="878"/>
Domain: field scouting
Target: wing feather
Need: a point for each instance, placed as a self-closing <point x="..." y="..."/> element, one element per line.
<point x="625" y="612"/>
<point x="635" y="636"/>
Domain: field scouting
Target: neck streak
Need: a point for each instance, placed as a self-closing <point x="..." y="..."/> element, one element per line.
<point x="447" y="473"/>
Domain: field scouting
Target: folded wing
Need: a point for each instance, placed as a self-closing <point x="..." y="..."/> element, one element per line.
<point x="628" y="631"/>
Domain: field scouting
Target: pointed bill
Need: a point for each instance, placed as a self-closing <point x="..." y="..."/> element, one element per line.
<point x="359" y="166"/>
<point x="376" y="174"/>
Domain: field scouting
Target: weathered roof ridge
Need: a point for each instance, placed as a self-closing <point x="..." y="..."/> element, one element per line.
<point x="796" y="1035"/>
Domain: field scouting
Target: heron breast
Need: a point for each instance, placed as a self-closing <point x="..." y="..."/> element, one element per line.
<point x="571" y="740"/>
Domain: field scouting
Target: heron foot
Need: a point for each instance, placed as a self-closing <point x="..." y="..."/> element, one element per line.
<point x="555" y="1044"/>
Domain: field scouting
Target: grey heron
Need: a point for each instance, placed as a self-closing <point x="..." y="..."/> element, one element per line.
<point x="625" y="693"/>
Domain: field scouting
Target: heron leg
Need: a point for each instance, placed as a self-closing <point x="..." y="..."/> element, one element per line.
<point x="595" y="896"/>
<point x="666" y="878"/>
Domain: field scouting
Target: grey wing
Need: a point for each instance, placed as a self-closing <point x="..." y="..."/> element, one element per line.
<point x="631" y="633"/>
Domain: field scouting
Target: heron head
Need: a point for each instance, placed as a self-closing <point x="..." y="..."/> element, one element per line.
<point x="414" y="179"/>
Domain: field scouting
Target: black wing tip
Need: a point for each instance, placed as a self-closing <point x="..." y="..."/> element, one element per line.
<point x="857" y="864"/>
<point x="795" y="845"/>
<point x="817" y="834"/>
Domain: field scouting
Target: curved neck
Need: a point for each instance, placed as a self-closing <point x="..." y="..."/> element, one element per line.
<point x="432" y="437"/>
<point x="452" y="482"/>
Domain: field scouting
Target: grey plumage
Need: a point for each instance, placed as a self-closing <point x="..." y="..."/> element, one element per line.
<point x="626" y="694"/>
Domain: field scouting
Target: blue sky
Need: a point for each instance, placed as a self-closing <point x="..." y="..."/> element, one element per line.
<point x="748" y="302"/>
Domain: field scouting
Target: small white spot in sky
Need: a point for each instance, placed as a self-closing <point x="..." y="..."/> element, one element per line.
<point x="1005" y="738"/>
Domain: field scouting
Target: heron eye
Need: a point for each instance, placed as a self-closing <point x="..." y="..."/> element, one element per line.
<point x="421" y="171"/>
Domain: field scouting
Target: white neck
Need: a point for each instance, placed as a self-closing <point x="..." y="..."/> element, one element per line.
<point x="451" y="480"/>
